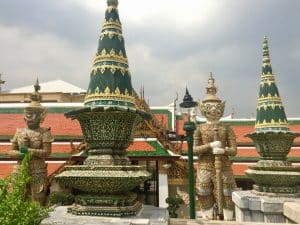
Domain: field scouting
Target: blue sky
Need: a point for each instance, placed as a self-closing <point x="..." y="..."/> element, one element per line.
<point x="169" y="43"/>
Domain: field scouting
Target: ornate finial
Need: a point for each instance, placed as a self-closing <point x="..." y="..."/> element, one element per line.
<point x="36" y="98"/>
<point x="267" y="69"/>
<point x="37" y="86"/>
<point x="270" y="115"/>
<point x="211" y="90"/>
<point x="112" y="3"/>
<point x="188" y="101"/>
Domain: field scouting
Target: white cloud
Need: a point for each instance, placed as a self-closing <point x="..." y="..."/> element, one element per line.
<point x="26" y="54"/>
<point x="170" y="44"/>
<point x="175" y="12"/>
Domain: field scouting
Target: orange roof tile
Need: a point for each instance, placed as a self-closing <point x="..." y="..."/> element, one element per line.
<point x="53" y="167"/>
<point x="246" y="152"/>
<point x="4" y="149"/>
<point x="179" y="127"/>
<point x="5" y="169"/>
<point x="239" y="169"/>
<point x="240" y="131"/>
<point x="162" y="118"/>
<point x="140" y="146"/>
<point x="58" y="123"/>
<point x="56" y="148"/>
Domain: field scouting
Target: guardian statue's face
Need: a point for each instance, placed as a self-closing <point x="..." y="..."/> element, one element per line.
<point x="33" y="119"/>
<point x="213" y="111"/>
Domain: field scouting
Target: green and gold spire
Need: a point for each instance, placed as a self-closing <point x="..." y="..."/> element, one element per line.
<point x="270" y="114"/>
<point x="110" y="80"/>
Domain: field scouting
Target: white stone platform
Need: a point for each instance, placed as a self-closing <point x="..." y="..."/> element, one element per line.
<point x="252" y="207"/>
<point x="149" y="215"/>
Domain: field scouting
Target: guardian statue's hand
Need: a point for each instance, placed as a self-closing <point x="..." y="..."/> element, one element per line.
<point x="218" y="151"/>
<point x="215" y="144"/>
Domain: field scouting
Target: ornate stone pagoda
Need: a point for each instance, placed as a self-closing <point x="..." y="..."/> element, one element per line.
<point x="272" y="138"/>
<point x="104" y="182"/>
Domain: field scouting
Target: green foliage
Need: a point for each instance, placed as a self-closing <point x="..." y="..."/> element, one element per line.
<point x="61" y="198"/>
<point x="15" y="209"/>
<point x="173" y="203"/>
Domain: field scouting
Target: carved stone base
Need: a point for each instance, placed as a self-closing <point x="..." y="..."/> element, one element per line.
<point x="119" y="200"/>
<point x="148" y="215"/>
<point x="251" y="207"/>
<point x="111" y="211"/>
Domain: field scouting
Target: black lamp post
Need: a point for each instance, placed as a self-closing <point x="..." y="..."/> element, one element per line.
<point x="189" y="127"/>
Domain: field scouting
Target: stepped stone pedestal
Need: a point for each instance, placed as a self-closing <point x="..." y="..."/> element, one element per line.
<point x="148" y="215"/>
<point x="254" y="207"/>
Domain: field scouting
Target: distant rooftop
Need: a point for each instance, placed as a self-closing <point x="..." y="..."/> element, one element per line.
<point x="50" y="86"/>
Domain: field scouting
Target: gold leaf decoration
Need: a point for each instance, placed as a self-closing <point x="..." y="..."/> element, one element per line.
<point x="107" y="90"/>
<point x="113" y="70"/>
<point x="112" y="52"/>
<point x="117" y="91"/>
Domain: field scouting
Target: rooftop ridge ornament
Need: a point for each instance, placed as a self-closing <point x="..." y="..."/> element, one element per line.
<point x="270" y="115"/>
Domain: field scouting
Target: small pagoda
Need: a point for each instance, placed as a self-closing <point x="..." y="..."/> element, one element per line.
<point x="272" y="138"/>
<point x="103" y="184"/>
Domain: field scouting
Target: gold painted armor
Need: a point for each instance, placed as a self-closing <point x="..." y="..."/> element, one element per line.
<point x="39" y="145"/>
<point x="214" y="142"/>
<point x="206" y="174"/>
<point x="36" y="141"/>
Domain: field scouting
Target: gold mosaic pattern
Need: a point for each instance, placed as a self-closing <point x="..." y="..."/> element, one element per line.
<point x="111" y="56"/>
<point x="108" y="95"/>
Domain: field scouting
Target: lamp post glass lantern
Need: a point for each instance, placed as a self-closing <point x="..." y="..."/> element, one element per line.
<point x="189" y="126"/>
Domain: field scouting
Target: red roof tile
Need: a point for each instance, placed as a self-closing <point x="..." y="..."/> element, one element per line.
<point x="58" y="123"/>
<point x="246" y="152"/>
<point x="240" y="131"/>
<point x="4" y="149"/>
<point x="61" y="148"/>
<point x="53" y="167"/>
<point x="5" y="170"/>
<point x="184" y="146"/>
<point x="56" y="148"/>
<point x="239" y="169"/>
<point x="179" y="127"/>
<point x="162" y="118"/>
<point x="140" y="146"/>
